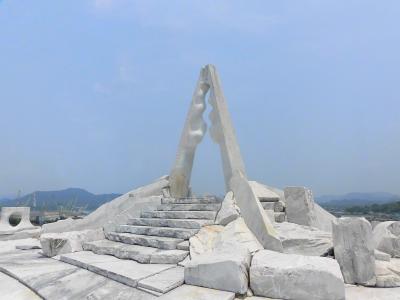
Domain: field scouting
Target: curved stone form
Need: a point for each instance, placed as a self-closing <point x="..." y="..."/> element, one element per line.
<point x="193" y="133"/>
<point x="6" y="212"/>
<point x="223" y="134"/>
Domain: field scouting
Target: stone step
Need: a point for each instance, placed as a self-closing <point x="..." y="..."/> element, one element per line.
<point x="178" y="223"/>
<point x="164" y="281"/>
<point x="183" y="246"/>
<point x="210" y="215"/>
<point x="141" y="254"/>
<point x="180" y="233"/>
<point x="269" y="199"/>
<point x="144" y="240"/>
<point x="188" y="207"/>
<point x="128" y="272"/>
<point x="200" y="200"/>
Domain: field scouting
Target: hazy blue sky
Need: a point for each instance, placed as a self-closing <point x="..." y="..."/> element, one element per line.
<point x="94" y="94"/>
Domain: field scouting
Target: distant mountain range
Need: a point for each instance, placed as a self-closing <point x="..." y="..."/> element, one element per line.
<point x="356" y="199"/>
<point x="54" y="200"/>
<point x="76" y="197"/>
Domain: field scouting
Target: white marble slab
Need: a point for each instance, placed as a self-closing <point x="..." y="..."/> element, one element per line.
<point x="12" y="289"/>
<point x="164" y="281"/>
<point x="190" y="292"/>
<point x="56" y="280"/>
<point x="127" y="272"/>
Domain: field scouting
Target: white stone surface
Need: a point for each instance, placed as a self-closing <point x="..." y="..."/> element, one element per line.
<point x="21" y="234"/>
<point x="301" y="209"/>
<point x="189" y="292"/>
<point x="124" y="271"/>
<point x="235" y="235"/>
<point x="60" y="243"/>
<point x="222" y="270"/>
<point x="11" y="289"/>
<point x="54" y="280"/>
<point x="271" y="215"/>
<point x="388" y="273"/>
<point x="205" y="240"/>
<point x="386" y="237"/>
<point x="138" y="253"/>
<point x="304" y="240"/>
<point x="354" y="250"/>
<point x="295" y="277"/>
<point x="367" y="293"/>
<point x="183" y="246"/>
<point x="164" y="281"/>
<point x="28" y="246"/>
<point x="379" y="255"/>
<point x="264" y="193"/>
<point x="117" y="211"/>
<point x="229" y="210"/>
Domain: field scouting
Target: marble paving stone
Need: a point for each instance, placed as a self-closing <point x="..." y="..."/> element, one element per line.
<point x="124" y="271"/>
<point x="366" y="293"/>
<point x="6" y="246"/>
<point x="154" y="293"/>
<point x="12" y="289"/>
<point x="113" y="290"/>
<point x="56" y="280"/>
<point x="190" y="292"/>
<point x="84" y="258"/>
<point x="256" y="298"/>
<point x="164" y="281"/>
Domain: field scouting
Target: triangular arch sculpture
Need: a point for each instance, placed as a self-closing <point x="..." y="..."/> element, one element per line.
<point x="223" y="134"/>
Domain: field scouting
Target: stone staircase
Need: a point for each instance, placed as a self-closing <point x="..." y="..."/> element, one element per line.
<point x="274" y="208"/>
<point x="159" y="238"/>
<point x="165" y="230"/>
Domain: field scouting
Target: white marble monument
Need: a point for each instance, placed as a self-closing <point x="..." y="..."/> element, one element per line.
<point x="223" y="134"/>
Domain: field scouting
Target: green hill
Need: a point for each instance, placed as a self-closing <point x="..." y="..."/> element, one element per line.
<point x="54" y="200"/>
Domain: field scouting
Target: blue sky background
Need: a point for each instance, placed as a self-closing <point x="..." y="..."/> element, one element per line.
<point x="94" y="93"/>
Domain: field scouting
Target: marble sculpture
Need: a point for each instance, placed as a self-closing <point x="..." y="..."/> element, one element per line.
<point x="162" y="242"/>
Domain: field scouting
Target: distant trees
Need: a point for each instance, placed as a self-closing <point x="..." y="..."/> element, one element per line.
<point x="388" y="208"/>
